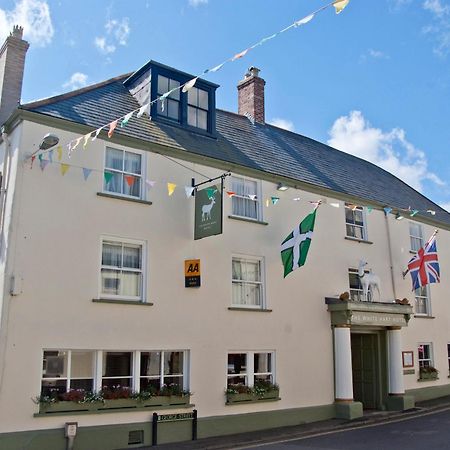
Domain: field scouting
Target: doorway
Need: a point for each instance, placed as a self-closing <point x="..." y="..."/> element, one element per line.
<point x="365" y="368"/>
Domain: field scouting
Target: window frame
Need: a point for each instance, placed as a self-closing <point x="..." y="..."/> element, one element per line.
<point x="261" y="283"/>
<point x="143" y="271"/>
<point x="363" y="227"/>
<point x="427" y="302"/>
<point x="97" y="375"/>
<point x="360" y="292"/>
<point x="258" y="199"/>
<point x="448" y="355"/>
<point x="430" y="360"/>
<point x="419" y="237"/>
<point x="250" y="366"/>
<point x="142" y="176"/>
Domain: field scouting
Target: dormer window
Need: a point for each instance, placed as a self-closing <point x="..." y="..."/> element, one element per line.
<point x="193" y="110"/>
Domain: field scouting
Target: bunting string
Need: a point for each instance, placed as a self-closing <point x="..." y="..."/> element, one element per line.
<point x="72" y="145"/>
<point x="271" y="201"/>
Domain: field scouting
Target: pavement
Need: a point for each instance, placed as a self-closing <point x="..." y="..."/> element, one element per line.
<point x="255" y="438"/>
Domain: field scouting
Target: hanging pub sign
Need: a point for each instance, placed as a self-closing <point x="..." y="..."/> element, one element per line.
<point x="192" y="273"/>
<point x="208" y="212"/>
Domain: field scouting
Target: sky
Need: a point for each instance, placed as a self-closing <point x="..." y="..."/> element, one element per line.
<point x="373" y="81"/>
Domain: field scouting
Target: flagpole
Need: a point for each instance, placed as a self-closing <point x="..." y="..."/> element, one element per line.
<point x="390" y="254"/>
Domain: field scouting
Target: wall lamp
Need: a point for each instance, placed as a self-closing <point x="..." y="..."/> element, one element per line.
<point x="399" y="216"/>
<point x="282" y="187"/>
<point x="48" y="141"/>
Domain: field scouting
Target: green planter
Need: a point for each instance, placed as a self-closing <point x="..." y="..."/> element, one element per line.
<point x="245" y="398"/>
<point x="120" y="403"/>
<point x="428" y="375"/>
<point x="165" y="400"/>
<point x="63" y="406"/>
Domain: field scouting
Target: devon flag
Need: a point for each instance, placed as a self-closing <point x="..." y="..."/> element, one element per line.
<point x="294" y="249"/>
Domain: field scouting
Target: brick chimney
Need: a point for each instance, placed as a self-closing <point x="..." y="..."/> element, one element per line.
<point x="12" y="62"/>
<point x="251" y="95"/>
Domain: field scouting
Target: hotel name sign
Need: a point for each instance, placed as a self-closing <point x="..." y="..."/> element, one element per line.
<point x="377" y="319"/>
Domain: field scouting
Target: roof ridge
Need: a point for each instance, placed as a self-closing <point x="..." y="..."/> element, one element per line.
<point x="66" y="95"/>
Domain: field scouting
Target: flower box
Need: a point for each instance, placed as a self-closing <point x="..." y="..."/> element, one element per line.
<point x="428" y="376"/>
<point x="165" y="400"/>
<point x="119" y="403"/>
<point x="252" y="397"/>
<point x="67" y="406"/>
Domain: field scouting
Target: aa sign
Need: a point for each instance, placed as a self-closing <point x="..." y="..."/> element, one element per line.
<point x="192" y="273"/>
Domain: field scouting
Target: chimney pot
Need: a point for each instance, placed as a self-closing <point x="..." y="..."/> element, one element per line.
<point x="251" y="95"/>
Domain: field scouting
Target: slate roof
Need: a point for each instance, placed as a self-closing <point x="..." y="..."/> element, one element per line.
<point x="263" y="147"/>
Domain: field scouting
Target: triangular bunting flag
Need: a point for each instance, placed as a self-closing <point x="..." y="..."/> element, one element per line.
<point x="189" y="191"/>
<point x="189" y="85"/>
<point x="130" y="180"/>
<point x="112" y="127"/>
<point x="211" y="192"/>
<point x="369" y="209"/>
<point x="334" y="205"/>
<point x="143" y="109"/>
<point x="40" y="156"/>
<point x="304" y="21"/>
<point x="231" y="193"/>
<point x="339" y="5"/>
<point x="59" y="151"/>
<point x="86" y="139"/>
<point x="86" y="173"/>
<point x="64" y="168"/>
<point x="108" y="176"/>
<point x="414" y="212"/>
<point x="43" y="163"/>
<point x="296" y="199"/>
<point x="432" y="212"/>
<point x="50" y="156"/>
<point x="252" y="196"/>
<point x="77" y="142"/>
<point x="267" y="202"/>
<point x="150" y="184"/>
<point x="387" y="210"/>
<point x="239" y="55"/>
<point x="214" y="69"/>
<point x="97" y="132"/>
<point x="171" y="188"/>
<point x="294" y="249"/>
<point x="32" y="161"/>
<point x="126" y="119"/>
<point x="274" y="200"/>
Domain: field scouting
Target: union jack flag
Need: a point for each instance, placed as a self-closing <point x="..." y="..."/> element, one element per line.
<point x="424" y="266"/>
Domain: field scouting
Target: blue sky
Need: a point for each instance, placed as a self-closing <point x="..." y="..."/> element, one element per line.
<point x="373" y="81"/>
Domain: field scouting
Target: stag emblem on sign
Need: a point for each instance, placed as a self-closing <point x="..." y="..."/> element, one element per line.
<point x="206" y="210"/>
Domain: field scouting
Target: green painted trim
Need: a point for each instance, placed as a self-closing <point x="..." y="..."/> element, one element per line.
<point x="120" y="197"/>
<point x="246" y="219"/>
<point x="232" y="308"/>
<point x="121" y="302"/>
<point x="429" y="392"/>
<point x="115" y="435"/>
<point x="182" y="154"/>
<point x="361" y="241"/>
<point x="400" y="402"/>
<point x="349" y="411"/>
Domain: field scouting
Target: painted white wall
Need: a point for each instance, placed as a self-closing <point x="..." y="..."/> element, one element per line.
<point x="57" y="224"/>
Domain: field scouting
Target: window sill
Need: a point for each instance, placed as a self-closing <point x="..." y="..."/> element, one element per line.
<point x="121" y="302"/>
<point x="420" y="380"/>
<point x="424" y="316"/>
<point x="245" y="399"/>
<point x="120" y="197"/>
<point x="238" y="308"/>
<point x="362" y="241"/>
<point x="247" y="219"/>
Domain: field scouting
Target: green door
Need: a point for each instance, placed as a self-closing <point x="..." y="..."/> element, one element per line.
<point x="365" y="369"/>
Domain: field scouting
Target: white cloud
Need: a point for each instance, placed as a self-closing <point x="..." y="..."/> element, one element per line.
<point x="196" y="3"/>
<point x="120" y="30"/>
<point x="76" y="81"/>
<point x="373" y="54"/>
<point x="282" y="123"/>
<point x="103" y="47"/>
<point x="440" y="29"/>
<point x="390" y="150"/>
<point x="446" y="206"/>
<point x="117" y="33"/>
<point x="33" y="16"/>
<point x="436" y="7"/>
